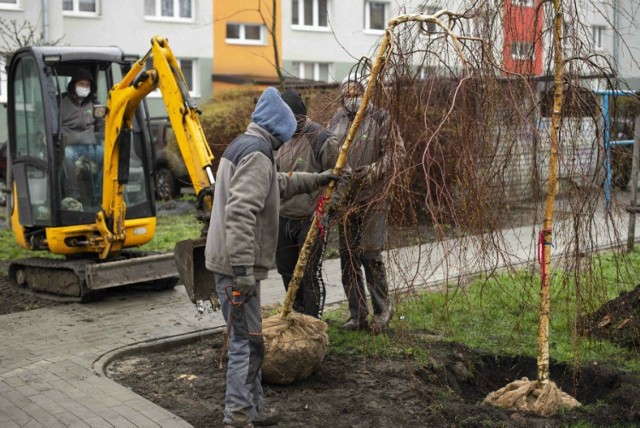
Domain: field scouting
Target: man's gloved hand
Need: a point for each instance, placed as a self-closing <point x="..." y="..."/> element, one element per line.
<point x="246" y="285"/>
<point x="244" y="281"/>
<point x="325" y="177"/>
<point x="364" y="174"/>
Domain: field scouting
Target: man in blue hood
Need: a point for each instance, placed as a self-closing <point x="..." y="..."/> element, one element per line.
<point x="241" y="244"/>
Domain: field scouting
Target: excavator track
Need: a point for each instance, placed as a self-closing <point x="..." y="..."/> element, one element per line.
<point x="81" y="280"/>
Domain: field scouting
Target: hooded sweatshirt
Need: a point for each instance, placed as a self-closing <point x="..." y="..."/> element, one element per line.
<point x="243" y="230"/>
<point x="79" y="125"/>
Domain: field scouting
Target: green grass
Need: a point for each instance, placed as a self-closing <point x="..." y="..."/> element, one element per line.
<point x="9" y="250"/>
<point x="499" y="315"/>
<point x="171" y="229"/>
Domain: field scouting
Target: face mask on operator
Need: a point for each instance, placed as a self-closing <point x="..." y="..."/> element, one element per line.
<point x="82" y="91"/>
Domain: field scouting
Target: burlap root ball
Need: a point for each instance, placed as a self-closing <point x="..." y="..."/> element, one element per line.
<point x="526" y="395"/>
<point x="294" y="347"/>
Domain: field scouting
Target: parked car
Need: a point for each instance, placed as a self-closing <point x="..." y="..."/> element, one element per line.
<point x="171" y="172"/>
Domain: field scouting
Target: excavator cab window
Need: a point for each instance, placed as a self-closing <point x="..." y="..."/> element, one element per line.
<point x="58" y="152"/>
<point x="30" y="153"/>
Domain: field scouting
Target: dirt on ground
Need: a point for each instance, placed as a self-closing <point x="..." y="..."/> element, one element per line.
<point x="353" y="390"/>
<point x="356" y="391"/>
<point x="618" y="320"/>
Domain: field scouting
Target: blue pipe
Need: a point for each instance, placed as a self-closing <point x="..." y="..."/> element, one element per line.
<point x="606" y="93"/>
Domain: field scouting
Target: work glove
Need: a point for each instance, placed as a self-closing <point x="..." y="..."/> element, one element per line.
<point x="244" y="282"/>
<point x="364" y="175"/>
<point x="325" y="177"/>
<point x="245" y="285"/>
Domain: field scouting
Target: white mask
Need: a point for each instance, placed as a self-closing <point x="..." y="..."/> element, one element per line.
<point x="352" y="104"/>
<point x="82" y="91"/>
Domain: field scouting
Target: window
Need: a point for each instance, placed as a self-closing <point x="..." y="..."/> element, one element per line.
<point x="3" y="81"/>
<point x="567" y="35"/>
<point x="430" y="27"/>
<point x="318" y="71"/>
<point x="9" y="4"/>
<point x="309" y="14"/>
<point x="246" y="34"/>
<point x="375" y="15"/>
<point x="425" y="71"/>
<point x="189" y="68"/>
<point x="178" y="10"/>
<point x="522" y="50"/>
<point x="523" y="3"/>
<point x="596" y="36"/>
<point x="80" y="7"/>
<point x="480" y="26"/>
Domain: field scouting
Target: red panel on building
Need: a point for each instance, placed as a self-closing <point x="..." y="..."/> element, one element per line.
<point x="522" y="31"/>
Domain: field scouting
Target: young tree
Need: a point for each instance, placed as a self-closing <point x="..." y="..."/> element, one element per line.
<point x="270" y="20"/>
<point x="15" y="34"/>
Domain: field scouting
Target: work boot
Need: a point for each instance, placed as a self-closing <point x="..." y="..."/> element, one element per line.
<point x="354" y="324"/>
<point x="267" y="417"/>
<point x="380" y="322"/>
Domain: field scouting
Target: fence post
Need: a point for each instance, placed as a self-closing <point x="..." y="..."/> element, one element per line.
<point x="632" y="208"/>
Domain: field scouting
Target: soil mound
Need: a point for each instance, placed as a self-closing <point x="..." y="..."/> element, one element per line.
<point x="618" y="320"/>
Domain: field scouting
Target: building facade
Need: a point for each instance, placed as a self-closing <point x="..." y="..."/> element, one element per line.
<point x="186" y="23"/>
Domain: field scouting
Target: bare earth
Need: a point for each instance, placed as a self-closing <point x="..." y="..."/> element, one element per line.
<point x="383" y="391"/>
<point x="356" y="391"/>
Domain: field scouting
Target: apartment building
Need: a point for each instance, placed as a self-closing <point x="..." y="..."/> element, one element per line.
<point x="243" y="43"/>
<point x="320" y="40"/>
<point x="128" y="25"/>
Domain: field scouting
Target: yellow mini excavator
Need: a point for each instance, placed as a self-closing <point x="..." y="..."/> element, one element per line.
<point x="93" y="209"/>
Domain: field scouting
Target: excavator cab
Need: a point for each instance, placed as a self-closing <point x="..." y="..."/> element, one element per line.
<point x="57" y="170"/>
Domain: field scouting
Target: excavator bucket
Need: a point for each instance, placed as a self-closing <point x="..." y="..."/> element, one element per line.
<point x="197" y="280"/>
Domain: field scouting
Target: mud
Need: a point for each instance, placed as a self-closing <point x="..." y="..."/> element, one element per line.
<point x="356" y="391"/>
<point x="618" y="320"/>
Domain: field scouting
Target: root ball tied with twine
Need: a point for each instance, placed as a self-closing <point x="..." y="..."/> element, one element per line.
<point x="531" y="396"/>
<point x="294" y="347"/>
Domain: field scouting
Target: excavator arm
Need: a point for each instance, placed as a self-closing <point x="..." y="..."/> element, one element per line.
<point x="123" y="101"/>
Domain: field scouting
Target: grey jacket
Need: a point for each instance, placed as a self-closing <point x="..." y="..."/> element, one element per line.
<point x="377" y="145"/>
<point x="244" y="222"/>
<point x="79" y="126"/>
<point x="315" y="149"/>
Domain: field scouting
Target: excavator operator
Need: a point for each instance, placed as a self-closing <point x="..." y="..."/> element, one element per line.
<point x="83" y="133"/>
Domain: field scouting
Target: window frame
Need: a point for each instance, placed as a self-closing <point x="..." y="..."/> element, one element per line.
<point x="157" y="16"/>
<point x="528" y="55"/>
<point x="3" y="80"/>
<point x="523" y="3"/>
<point x="367" y="16"/>
<point x="597" y="33"/>
<point x="316" y="17"/>
<point x="15" y="6"/>
<point x="430" y="10"/>
<point x="300" y="65"/>
<point x="193" y="91"/>
<point x="76" y="12"/>
<point x="242" y="40"/>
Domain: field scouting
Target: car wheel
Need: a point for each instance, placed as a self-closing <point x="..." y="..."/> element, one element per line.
<point x="3" y="195"/>
<point x="165" y="185"/>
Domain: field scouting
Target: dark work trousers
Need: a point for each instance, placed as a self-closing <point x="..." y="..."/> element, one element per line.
<point x="362" y="239"/>
<point x="244" y="395"/>
<point x="309" y="298"/>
